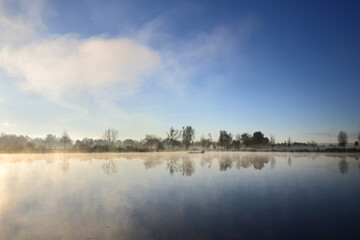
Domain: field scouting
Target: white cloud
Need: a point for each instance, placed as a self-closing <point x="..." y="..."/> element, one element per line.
<point x="60" y="63"/>
<point x="6" y="124"/>
<point x="18" y="28"/>
<point x="52" y="65"/>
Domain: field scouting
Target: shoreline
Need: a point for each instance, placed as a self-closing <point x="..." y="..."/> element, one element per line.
<point x="350" y="150"/>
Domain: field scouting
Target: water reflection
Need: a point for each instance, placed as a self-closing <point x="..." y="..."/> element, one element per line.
<point x="187" y="166"/>
<point x="173" y="165"/>
<point x="343" y="166"/>
<point x="179" y="196"/>
<point x="185" y="163"/>
<point x="110" y="167"/>
<point x="206" y="161"/>
<point x="289" y="160"/>
<point x="64" y="166"/>
<point x="272" y="162"/>
<point x="225" y="163"/>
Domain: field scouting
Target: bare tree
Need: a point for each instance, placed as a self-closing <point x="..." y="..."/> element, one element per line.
<point x="173" y="136"/>
<point x="272" y="142"/>
<point x="152" y="140"/>
<point x="212" y="143"/>
<point x="206" y="142"/>
<point x="313" y="144"/>
<point x="342" y="138"/>
<point x="65" y="139"/>
<point x="289" y="142"/>
<point x="110" y="136"/>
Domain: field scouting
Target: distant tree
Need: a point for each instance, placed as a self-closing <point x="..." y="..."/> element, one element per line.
<point x="206" y="142"/>
<point x="152" y="141"/>
<point x="358" y="136"/>
<point x="272" y="142"/>
<point x="356" y="144"/>
<point x="110" y="136"/>
<point x="173" y="136"/>
<point x="246" y="140"/>
<point x="50" y="141"/>
<point x="313" y="144"/>
<point x="129" y="143"/>
<point x="65" y="139"/>
<point x="212" y="143"/>
<point x="236" y="144"/>
<point x="188" y="135"/>
<point x="342" y="138"/>
<point x="84" y="144"/>
<point x="225" y="139"/>
<point x="259" y="139"/>
<point x="238" y="138"/>
<point x="289" y="142"/>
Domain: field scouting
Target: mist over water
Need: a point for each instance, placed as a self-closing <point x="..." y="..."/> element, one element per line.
<point x="179" y="196"/>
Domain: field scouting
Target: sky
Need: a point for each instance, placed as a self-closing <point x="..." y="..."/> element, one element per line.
<point x="287" y="68"/>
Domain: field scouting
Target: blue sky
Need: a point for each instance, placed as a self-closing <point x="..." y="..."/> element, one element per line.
<point x="288" y="68"/>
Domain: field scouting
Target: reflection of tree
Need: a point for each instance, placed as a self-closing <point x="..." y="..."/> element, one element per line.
<point x="258" y="161"/>
<point x="65" y="165"/>
<point x="187" y="167"/>
<point x="110" y="168"/>
<point x="173" y="165"/>
<point x="152" y="161"/>
<point x="272" y="162"/>
<point x="289" y="159"/>
<point x="343" y="166"/>
<point x="246" y="162"/>
<point x="237" y="160"/>
<point x="206" y="160"/>
<point x="225" y="163"/>
<point x="314" y="156"/>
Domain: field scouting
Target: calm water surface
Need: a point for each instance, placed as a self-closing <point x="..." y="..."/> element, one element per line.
<point x="180" y="196"/>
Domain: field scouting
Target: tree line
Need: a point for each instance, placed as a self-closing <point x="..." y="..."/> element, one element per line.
<point x="177" y="139"/>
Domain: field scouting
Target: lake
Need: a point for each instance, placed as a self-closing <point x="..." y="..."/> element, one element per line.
<point x="180" y="196"/>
